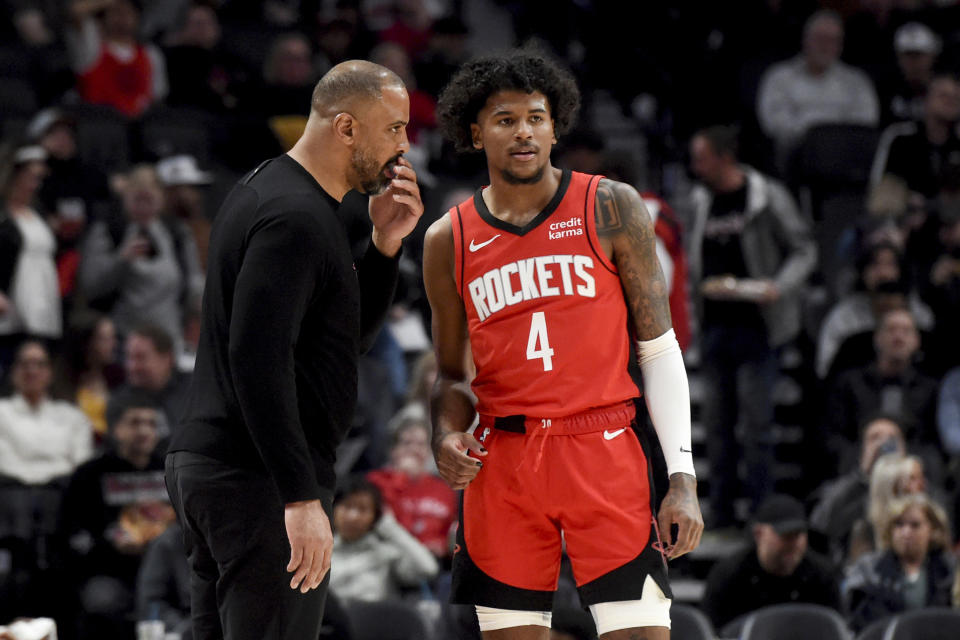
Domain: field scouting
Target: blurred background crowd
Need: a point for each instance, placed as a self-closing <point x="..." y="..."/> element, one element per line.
<point x="801" y="160"/>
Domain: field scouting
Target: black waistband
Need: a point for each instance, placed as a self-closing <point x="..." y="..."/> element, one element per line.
<point x="514" y="424"/>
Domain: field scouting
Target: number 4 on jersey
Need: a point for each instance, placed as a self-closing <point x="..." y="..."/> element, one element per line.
<point x="538" y="334"/>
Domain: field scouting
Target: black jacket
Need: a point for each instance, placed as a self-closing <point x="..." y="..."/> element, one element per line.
<point x="10" y="243"/>
<point x="874" y="586"/>
<point x="739" y="585"/>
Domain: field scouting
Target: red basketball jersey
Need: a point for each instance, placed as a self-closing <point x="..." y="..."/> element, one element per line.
<point x="545" y="310"/>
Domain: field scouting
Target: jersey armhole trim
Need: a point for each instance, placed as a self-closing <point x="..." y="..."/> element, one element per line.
<point x="458" y="254"/>
<point x="590" y="218"/>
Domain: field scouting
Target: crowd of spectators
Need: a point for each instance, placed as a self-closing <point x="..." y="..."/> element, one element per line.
<point x="803" y="171"/>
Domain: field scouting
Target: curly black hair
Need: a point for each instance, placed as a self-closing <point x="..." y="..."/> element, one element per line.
<point x="468" y="90"/>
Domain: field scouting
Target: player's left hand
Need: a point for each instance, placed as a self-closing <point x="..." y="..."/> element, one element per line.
<point x="680" y="507"/>
<point x="395" y="212"/>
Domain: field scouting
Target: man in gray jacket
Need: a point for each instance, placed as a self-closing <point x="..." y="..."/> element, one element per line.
<point x="751" y="252"/>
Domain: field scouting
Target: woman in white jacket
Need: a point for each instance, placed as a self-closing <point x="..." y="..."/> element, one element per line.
<point x="373" y="555"/>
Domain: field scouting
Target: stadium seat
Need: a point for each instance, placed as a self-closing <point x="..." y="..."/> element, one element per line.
<point x="386" y="620"/>
<point x="795" y="622"/>
<point x="875" y="630"/>
<point x="934" y="623"/>
<point x="689" y="623"/>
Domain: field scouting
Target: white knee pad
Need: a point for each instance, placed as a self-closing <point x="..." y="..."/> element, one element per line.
<point x="651" y="610"/>
<point x="492" y="619"/>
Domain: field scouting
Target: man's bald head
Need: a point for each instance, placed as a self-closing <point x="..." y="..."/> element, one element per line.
<point x="350" y="83"/>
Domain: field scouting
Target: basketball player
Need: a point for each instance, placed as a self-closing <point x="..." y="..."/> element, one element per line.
<point x="545" y="272"/>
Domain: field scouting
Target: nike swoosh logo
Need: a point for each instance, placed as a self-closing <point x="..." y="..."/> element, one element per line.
<point x="477" y="247"/>
<point x="610" y="435"/>
<point x="682" y="450"/>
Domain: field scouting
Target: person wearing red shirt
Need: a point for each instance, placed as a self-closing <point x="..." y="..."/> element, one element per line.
<point x="113" y="68"/>
<point x="419" y="500"/>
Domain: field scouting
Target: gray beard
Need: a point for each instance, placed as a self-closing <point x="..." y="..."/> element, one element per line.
<point x="371" y="184"/>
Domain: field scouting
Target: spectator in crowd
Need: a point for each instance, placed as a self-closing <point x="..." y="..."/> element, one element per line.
<point x="41" y="439"/>
<point x="150" y="369"/>
<point x="417" y="404"/>
<point x="751" y="251"/>
<point x="288" y="77"/>
<point x="29" y="290"/>
<point x="446" y="50"/>
<point x="912" y="569"/>
<point x="411" y="27"/>
<point x="777" y="568"/>
<point x="814" y="88"/>
<point x="940" y="287"/>
<point x="90" y="367"/>
<point x="419" y="500"/>
<point x="891" y="383"/>
<point x="140" y="267"/>
<point x="902" y="96"/>
<point x="342" y="33"/>
<point x="72" y="188"/>
<point x="185" y="198"/>
<point x="844" y="501"/>
<point x="924" y="153"/>
<point x="893" y="477"/>
<point x="71" y="191"/>
<point x="423" y="106"/>
<point x="163" y="583"/>
<point x="858" y="350"/>
<point x="202" y="73"/>
<point x="948" y="413"/>
<point x="948" y="425"/>
<point x="857" y="312"/>
<point x="375" y="556"/>
<point x="114" y="506"/>
<point x="113" y="67"/>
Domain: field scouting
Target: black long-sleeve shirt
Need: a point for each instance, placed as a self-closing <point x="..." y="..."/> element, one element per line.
<point x="286" y="314"/>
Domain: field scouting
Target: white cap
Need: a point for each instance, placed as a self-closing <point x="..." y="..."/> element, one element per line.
<point x="29" y="153"/>
<point x="44" y="120"/>
<point x="182" y="169"/>
<point x="916" y="37"/>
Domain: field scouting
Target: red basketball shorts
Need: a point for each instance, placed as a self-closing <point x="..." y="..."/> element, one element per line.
<point x="579" y="484"/>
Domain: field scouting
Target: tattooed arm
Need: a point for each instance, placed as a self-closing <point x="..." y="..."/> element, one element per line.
<point x="626" y="235"/>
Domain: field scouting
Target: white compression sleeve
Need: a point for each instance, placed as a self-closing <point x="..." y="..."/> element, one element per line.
<point x="667" y="394"/>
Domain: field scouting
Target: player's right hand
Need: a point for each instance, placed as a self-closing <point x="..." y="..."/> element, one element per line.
<point x="311" y="543"/>
<point x="454" y="463"/>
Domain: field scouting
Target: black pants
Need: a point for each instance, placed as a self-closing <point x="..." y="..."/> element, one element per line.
<point x="739" y="371"/>
<point x="237" y="550"/>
